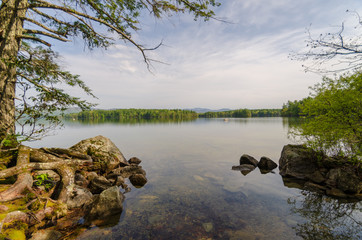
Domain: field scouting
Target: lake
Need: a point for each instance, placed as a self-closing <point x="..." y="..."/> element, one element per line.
<point x="192" y="193"/>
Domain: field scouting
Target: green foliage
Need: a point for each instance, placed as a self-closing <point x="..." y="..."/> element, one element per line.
<point x="242" y="113"/>
<point x="133" y="114"/>
<point x="40" y="80"/>
<point x="293" y="108"/>
<point x="334" y="117"/>
<point x="40" y="95"/>
<point x="44" y="180"/>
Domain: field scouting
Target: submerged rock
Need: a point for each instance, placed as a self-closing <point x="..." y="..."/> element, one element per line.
<point x="247" y="159"/>
<point x="46" y="235"/>
<point x="108" y="203"/>
<point x="244" y="168"/>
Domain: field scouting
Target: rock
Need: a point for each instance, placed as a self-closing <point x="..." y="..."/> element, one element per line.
<point x="91" y="175"/>
<point x="46" y="235"/>
<point x="208" y="226"/>
<point x="134" y="160"/>
<point x="119" y="181"/>
<point x="80" y="180"/>
<point x="104" y="152"/>
<point x="138" y="180"/>
<point x="99" y="184"/>
<point x="127" y="171"/>
<point x="315" y="187"/>
<point x="244" y="168"/>
<point x="267" y="164"/>
<point x="247" y="159"/>
<point x="299" y="162"/>
<point x="334" y="192"/>
<point x="336" y="177"/>
<point x="108" y="203"/>
<point x="345" y="179"/>
<point x="79" y="197"/>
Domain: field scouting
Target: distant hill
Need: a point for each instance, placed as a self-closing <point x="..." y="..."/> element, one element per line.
<point x="204" y="110"/>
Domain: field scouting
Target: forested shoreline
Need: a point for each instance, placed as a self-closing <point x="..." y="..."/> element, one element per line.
<point x="166" y="114"/>
<point x="133" y="114"/>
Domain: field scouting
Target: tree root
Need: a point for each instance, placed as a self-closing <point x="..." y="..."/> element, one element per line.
<point x="24" y="181"/>
<point x="42" y="161"/>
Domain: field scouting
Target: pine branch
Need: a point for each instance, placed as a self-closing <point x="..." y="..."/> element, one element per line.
<point x="31" y="31"/>
<point x="34" y="39"/>
<point x="44" y="27"/>
<point x="42" y="4"/>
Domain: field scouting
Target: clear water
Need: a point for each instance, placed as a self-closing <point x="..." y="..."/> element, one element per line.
<point x="192" y="193"/>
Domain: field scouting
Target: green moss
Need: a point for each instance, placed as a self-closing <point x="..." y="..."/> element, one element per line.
<point x="14" y="234"/>
<point x="15" y="230"/>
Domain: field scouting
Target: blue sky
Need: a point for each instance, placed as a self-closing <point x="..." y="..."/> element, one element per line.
<point x="242" y="64"/>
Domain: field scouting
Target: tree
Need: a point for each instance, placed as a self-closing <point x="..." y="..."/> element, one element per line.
<point x="27" y="63"/>
<point x="334" y="116"/>
<point x="340" y="49"/>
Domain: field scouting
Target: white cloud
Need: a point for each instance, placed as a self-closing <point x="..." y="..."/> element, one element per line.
<point x="212" y="64"/>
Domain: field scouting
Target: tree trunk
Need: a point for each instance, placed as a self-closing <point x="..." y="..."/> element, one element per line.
<point x="11" y="14"/>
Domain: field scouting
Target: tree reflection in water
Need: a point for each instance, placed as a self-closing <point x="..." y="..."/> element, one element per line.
<point x="327" y="218"/>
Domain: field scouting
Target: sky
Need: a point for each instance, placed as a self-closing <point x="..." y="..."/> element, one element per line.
<point x="242" y="63"/>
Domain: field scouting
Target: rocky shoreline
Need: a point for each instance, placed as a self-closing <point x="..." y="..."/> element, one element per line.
<point x="76" y="186"/>
<point x="303" y="168"/>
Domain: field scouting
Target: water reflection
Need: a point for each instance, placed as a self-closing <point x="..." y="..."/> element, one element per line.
<point x="125" y="121"/>
<point x="192" y="192"/>
<point x="326" y="218"/>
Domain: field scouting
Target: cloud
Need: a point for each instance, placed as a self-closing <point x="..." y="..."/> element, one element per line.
<point x="213" y="64"/>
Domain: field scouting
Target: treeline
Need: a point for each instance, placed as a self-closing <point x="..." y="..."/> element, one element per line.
<point x="293" y="108"/>
<point x="243" y="113"/>
<point x="133" y="114"/>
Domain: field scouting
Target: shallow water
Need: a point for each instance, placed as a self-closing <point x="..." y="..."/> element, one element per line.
<point x="192" y="193"/>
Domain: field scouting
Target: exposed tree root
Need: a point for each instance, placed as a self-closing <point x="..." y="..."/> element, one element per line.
<point x="44" y="204"/>
<point x="63" y="161"/>
<point x="24" y="181"/>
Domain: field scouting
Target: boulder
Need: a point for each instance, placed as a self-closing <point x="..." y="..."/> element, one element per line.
<point x="336" y="177"/>
<point x="108" y="203"/>
<point x="79" y="197"/>
<point x="138" y="180"/>
<point x="45" y="234"/>
<point x="300" y="162"/>
<point x="99" y="184"/>
<point x="104" y="152"/>
<point x="266" y="164"/>
<point x="247" y="159"/>
<point x="345" y="179"/>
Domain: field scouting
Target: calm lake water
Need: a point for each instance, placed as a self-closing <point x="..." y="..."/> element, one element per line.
<point x="192" y="193"/>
